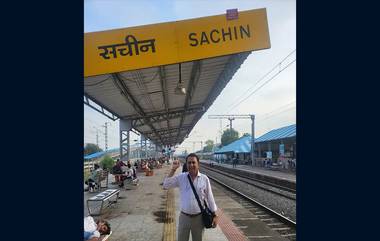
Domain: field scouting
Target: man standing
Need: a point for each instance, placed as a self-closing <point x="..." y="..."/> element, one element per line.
<point x="190" y="218"/>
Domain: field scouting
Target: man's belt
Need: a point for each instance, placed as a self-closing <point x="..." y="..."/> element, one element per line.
<point x="190" y="215"/>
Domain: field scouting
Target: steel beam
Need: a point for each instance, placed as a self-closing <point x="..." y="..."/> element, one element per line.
<point x="102" y="108"/>
<point x="253" y="141"/>
<point x="169" y="113"/>
<point x="124" y="128"/>
<point x="164" y="93"/>
<point x="165" y="130"/>
<point x="125" y="91"/>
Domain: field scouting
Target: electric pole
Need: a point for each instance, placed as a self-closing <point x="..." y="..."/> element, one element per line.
<point x="233" y="117"/>
<point x="105" y="136"/>
<point x="97" y="138"/>
<point x="97" y="135"/>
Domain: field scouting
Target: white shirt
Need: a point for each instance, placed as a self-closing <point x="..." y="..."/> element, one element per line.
<point x="91" y="226"/>
<point x="127" y="171"/>
<point x="189" y="203"/>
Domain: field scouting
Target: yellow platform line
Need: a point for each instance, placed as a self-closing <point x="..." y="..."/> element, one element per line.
<point x="170" y="223"/>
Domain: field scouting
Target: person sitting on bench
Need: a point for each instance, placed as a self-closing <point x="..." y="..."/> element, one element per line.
<point x="91" y="181"/>
<point x="93" y="230"/>
<point x="128" y="174"/>
<point x="117" y="169"/>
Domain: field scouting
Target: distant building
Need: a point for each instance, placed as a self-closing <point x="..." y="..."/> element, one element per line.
<point x="278" y="144"/>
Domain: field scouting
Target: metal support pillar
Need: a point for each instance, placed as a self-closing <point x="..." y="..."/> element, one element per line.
<point x="231" y="119"/>
<point x="146" y="149"/>
<point x="253" y="140"/>
<point x="259" y="150"/>
<point x="143" y="147"/>
<point x="125" y="127"/>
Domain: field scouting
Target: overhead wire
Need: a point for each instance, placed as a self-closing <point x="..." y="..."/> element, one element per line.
<point x="266" y="82"/>
<point x="278" y="65"/>
<point x="271" y="116"/>
<point x="260" y="116"/>
<point x="249" y="89"/>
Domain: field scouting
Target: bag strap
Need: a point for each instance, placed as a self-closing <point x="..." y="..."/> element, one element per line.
<point x="195" y="193"/>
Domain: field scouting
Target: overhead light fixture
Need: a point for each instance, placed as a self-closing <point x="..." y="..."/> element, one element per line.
<point x="180" y="89"/>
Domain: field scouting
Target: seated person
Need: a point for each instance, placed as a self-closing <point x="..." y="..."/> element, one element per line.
<point x="91" y="181"/>
<point x="144" y="165"/>
<point x="93" y="230"/>
<point x="117" y="169"/>
<point x="127" y="174"/>
<point x="134" y="174"/>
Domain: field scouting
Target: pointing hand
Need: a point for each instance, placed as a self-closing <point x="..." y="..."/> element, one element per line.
<point x="175" y="165"/>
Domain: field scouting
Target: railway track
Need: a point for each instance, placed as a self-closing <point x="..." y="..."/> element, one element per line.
<point x="267" y="186"/>
<point x="241" y="173"/>
<point x="285" y="227"/>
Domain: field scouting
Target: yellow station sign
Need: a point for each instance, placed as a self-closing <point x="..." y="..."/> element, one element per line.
<point x="174" y="42"/>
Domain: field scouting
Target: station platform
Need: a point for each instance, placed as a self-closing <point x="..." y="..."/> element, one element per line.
<point x="287" y="176"/>
<point x="148" y="212"/>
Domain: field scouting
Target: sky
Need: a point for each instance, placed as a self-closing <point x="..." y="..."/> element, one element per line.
<point x="264" y="85"/>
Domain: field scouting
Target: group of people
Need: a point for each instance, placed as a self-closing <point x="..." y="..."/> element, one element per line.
<point x="190" y="218"/>
<point x="234" y="162"/>
<point x="122" y="172"/>
<point x="285" y="163"/>
<point x="150" y="163"/>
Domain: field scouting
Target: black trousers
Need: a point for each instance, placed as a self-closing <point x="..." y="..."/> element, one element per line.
<point x="90" y="183"/>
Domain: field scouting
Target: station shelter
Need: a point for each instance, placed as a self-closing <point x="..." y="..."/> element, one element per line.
<point x="277" y="144"/>
<point x="158" y="80"/>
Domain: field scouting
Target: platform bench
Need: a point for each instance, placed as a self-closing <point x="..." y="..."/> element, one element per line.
<point x="100" y="199"/>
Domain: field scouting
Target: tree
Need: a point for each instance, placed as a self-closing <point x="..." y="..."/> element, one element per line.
<point x="246" y="134"/>
<point x="209" y="146"/>
<point x="91" y="148"/>
<point x="229" y="135"/>
<point x="107" y="162"/>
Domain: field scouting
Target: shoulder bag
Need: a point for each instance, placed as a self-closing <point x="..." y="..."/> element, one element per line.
<point x="207" y="215"/>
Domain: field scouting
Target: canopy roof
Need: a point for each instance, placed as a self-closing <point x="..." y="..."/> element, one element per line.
<point x="243" y="145"/>
<point x="100" y="153"/>
<point x="280" y="133"/>
<point x="147" y="96"/>
<point x="132" y="73"/>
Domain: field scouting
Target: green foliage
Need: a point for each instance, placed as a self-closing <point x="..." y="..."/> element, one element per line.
<point x="86" y="174"/>
<point x="246" y="134"/>
<point x="229" y="136"/>
<point x="91" y="148"/>
<point x="209" y="146"/>
<point x="107" y="162"/>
